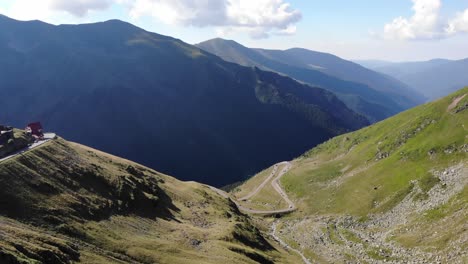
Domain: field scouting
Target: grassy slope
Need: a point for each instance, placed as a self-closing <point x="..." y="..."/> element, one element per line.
<point x="20" y="141"/>
<point x="355" y="161"/>
<point x="267" y="198"/>
<point x="64" y="202"/>
<point x="378" y="176"/>
<point x="251" y="184"/>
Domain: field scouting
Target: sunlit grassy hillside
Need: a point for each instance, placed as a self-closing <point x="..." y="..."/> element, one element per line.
<point x="63" y="202"/>
<point x="394" y="191"/>
<point x="373" y="169"/>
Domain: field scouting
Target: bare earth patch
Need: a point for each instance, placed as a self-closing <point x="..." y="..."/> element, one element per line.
<point x="455" y="102"/>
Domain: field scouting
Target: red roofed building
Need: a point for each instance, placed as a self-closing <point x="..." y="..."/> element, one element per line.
<point x="35" y="129"/>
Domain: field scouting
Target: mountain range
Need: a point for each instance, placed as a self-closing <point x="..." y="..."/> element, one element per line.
<point x="374" y="95"/>
<point x="434" y="78"/>
<point x="333" y="184"/>
<point x="391" y="192"/>
<point x="159" y="101"/>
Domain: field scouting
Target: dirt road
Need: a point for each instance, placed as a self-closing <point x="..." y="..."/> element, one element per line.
<point x="47" y="137"/>
<point x="276" y="185"/>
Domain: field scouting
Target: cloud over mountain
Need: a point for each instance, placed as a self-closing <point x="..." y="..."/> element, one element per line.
<point x="426" y="23"/>
<point x="458" y="24"/>
<point x="259" y="18"/>
<point x="55" y="11"/>
<point x="79" y="8"/>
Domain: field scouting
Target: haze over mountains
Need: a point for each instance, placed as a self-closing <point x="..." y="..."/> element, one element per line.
<point x="158" y="101"/>
<point x="434" y="78"/>
<point x="336" y="186"/>
<point x="372" y="94"/>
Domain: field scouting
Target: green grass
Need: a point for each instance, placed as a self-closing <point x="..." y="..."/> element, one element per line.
<point x="334" y="234"/>
<point x="252" y="183"/>
<point x="350" y="236"/>
<point x="437" y="227"/>
<point x="407" y="138"/>
<point x="379" y="253"/>
<point x="267" y="198"/>
<point x="372" y="170"/>
<point x="19" y="141"/>
<point x="83" y="205"/>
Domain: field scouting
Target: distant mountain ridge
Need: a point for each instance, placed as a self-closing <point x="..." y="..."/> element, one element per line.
<point x="159" y="101"/>
<point x="400" y="69"/>
<point x="434" y="78"/>
<point x="372" y="94"/>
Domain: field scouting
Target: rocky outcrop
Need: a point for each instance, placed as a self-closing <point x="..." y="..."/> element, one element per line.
<point x="371" y="239"/>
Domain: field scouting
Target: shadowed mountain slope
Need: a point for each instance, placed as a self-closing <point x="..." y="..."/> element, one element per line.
<point x="66" y="203"/>
<point x="370" y="93"/>
<point x="159" y="101"/>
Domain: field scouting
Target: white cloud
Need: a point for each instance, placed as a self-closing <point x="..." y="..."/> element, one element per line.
<point x="55" y="11"/>
<point x="181" y="12"/>
<point x="29" y="10"/>
<point x="258" y="18"/>
<point x="290" y="30"/>
<point x="458" y="24"/>
<point x="79" y="8"/>
<point x="425" y="23"/>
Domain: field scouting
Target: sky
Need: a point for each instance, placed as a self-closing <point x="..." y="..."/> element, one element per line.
<point x="395" y="30"/>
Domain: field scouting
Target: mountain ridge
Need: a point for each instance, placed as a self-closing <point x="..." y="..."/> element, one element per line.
<point x="434" y="78"/>
<point x="110" y="84"/>
<point x="372" y="103"/>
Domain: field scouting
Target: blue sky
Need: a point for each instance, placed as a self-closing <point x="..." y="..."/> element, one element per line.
<point x="397" y="30"/>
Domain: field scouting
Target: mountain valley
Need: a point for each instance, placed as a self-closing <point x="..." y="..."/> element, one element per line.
<point x="141" y="148"/>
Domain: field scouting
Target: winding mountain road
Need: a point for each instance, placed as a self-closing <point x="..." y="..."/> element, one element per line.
<point x="281" y="192"/>
<point x="275" y="183"/>
<point x="260" y="187"/>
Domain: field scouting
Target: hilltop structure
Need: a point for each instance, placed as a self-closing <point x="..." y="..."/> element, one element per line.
<point x="35" y="129"/>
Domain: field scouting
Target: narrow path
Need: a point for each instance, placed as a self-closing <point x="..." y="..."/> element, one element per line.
<point x="455" y="102"/>
<point x="254" y="192"/>
<point x="277" y="187"/>
<point x="281" y="192"/>
<point x="285" y="245"/>
<point x="291" y="207"/>
<point x="47" y="137"/>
